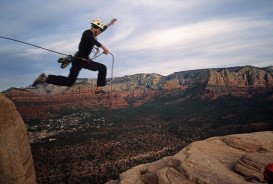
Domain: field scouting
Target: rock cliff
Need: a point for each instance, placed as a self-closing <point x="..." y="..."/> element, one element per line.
<point x="246" y="81"/>
<point x="238" y="158"/>
<point x="16" y="163"/>
<point x="134" y="90"/>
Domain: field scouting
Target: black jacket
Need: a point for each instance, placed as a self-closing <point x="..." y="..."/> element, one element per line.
<point x="87" y="43"/>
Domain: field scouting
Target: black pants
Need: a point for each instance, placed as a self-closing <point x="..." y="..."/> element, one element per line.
<point x="77" y="65"/>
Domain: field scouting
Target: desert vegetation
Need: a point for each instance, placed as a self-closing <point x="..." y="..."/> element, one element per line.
<point x="94" y="146"/>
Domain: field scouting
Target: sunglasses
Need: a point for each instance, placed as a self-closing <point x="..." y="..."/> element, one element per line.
<point x="96" y="27"/>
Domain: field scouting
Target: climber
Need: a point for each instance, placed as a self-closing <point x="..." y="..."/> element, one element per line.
<point x="268" y="173"/>
<point x="81" y="59"/>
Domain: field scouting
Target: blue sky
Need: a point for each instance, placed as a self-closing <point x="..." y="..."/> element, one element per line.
<point x="152" y="36"/>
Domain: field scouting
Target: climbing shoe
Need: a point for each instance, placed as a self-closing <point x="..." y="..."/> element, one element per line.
<point x="65" y="61"/>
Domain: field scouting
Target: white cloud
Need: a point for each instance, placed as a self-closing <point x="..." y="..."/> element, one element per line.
<point x="150" y="36"/>
<point x="192" y="34"/>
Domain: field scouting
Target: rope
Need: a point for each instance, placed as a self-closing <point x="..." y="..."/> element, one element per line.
<point x="110" y="97"/>
<point x="7" y="38"/>
<point x="112" y="75"/>
<point x="97" y="56"/>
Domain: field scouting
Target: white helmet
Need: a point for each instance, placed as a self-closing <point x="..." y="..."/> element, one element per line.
<point x="98" y="23"/>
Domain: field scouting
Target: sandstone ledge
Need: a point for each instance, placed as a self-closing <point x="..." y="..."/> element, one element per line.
<point x="238" y="158"/>
<point x="16" y="163"/>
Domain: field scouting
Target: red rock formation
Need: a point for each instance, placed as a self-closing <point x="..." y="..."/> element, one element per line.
<point x="32" y="105"/>
<point x="16" y="163"/>
<point x="214" y="160"/>
<point x="246" y="81"/>
<point x="140" y="88"/>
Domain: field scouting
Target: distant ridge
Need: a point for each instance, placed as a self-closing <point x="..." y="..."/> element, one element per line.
<point x="134" y="90"/>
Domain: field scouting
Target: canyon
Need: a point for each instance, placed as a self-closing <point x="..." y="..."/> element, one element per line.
<point x="77" y="136"/>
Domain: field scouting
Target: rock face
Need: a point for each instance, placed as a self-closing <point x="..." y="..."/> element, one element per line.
<point x="16" y="163"/>
<point x="134" y="90"/>
<point x="239" y="158"/>
<point x="243" y="82"/>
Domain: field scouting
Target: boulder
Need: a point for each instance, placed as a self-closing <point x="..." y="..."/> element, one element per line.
<point x="251" y="165"/>
<point x="238" y="158"/>
<point x="16" y="163"/>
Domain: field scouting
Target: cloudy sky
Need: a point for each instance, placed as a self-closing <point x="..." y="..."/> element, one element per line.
<point x="153" y="36"/>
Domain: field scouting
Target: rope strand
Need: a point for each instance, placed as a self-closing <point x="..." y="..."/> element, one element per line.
<point x="7" y="38"/>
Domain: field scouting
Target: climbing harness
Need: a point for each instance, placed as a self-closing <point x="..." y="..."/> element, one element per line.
<point x="65" y="61"/>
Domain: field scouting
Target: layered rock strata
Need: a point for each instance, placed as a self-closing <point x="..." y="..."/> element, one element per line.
<point x="239" y="158"/>
<point x="134" y="90"/>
